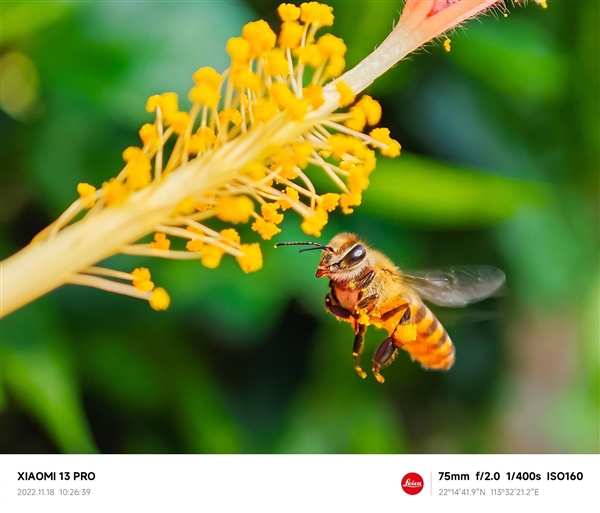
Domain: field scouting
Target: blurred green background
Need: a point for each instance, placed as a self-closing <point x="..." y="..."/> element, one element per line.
<point x="500" y="166"/>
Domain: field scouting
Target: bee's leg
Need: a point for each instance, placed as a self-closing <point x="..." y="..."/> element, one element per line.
<point x="368" y="303"/>
<point x="364" y="306"/>
<point x="385" y="354"/>
<point x="336" y="310"/>
<point x="333" y="305"/>
<point x="386" y="316"/>
<point x="359" y="342"/>
<point x="365" y="281"/>
<point x="404" y="333"/>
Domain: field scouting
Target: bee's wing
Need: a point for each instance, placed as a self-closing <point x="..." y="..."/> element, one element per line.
<point x="455" y="286"/>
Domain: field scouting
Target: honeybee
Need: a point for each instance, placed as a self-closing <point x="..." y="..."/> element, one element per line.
<point x="366" y="288"/>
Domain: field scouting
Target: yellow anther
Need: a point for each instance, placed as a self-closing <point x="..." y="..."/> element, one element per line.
<point x="87" y="192"/>
<point x="309" y="55"/>
<point x="138" y="174"/>
<point x="234" y="209"/>
<point x="301" y="152"/>
<point x="141" y="279"/>
<point x="239" y="49"/>
<point x="160" y="242"/>
<point x="330" y="201"/>
<point x="315" y="12"/>
<point x="231" y="236"/>
<point x="281" y="94"/>
<point x="251" y="259"/>
<point x="290" y="35"/>
<point x="160" y="300"/>
<point x="357" y="179"/>
<point x="166" y="101"/>
<point x="186" y="206"/>
<point x="202" y="140"/>
<point x="194" y="245"/>
<point x="265" y="229"/>
<point x="152" y="102"/>
<point x="149" y="136"/>
<point x="179" y="122"/>
<point x="255" y="170"/>
<point x="313" y="224"/>
<point x="133" y="153"/>
<point x="297" y="108"/>
<point x="284" y="163"/>
<point x="350" y="200"/>
<point x="138" y="168"/>
<point x="210" y="255"/>
<point x="209" y="76"/>
<point x="285" y="99"/>
<point x="288" y="12"/>
<point x="205" y="94"/>
<point x="335" y="66"/>
<point x="330" y="45"/>
<point x="230" y="116"/>
<point x="371" y="108"/>
<point x="358" y="120"/>
<point x="313" y="93"/>
<point x="114" y="192"/>
<point x="291" y="196"/>
<point x="260" y="36"/>
<point x="341" y="144"/>
<point x="347" y="96"/>
<point x="276" y="63"/>
<point x="383" y="135"/>
<point x="265" y="110"/>
<point x="270" y="214"/>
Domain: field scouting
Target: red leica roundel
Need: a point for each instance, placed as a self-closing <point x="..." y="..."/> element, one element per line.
<point x="412" y="483"/>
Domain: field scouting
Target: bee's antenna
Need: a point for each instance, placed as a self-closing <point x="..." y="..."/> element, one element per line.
<point x="316" y="244"/>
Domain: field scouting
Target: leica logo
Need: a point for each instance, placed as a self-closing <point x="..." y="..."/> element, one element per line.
<point x="412" y="483"/>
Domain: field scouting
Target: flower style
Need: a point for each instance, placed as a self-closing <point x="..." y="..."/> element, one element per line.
<point x="241" y="154"/>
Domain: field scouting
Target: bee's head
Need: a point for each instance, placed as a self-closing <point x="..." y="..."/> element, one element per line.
<point x="342" y="259"/>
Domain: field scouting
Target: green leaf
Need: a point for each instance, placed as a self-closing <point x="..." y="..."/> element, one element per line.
<point x="337" y="412"/>
<point x="547" y="255"/>
<point x="198" y="407"/>
<point x="38" y="374"/>
<point x="514" y="57"/>
<point x="167" y="44"/>
<point x="428" y="192"/>
<point x="24" y="18"/>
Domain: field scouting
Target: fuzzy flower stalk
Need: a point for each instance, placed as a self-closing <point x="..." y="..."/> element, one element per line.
<point x="242" y="153"/>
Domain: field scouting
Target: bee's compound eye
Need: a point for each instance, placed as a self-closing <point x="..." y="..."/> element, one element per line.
<point x="356" y="255"/>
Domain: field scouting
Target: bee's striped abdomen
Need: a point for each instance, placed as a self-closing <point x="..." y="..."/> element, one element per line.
<point x="433" y="347"/>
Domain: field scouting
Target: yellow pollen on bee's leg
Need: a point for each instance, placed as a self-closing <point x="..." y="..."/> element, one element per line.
<point x="378" y="376"/>
<point x="361" y="373"/>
